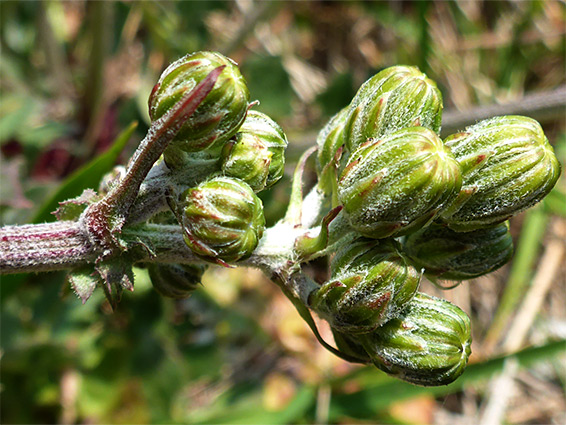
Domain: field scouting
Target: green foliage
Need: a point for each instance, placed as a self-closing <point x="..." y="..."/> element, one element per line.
<point x="266" y="76"/>
<point x="86" y="177"/>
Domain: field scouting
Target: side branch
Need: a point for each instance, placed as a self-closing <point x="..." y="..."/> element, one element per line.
<point x="542" y="106"/>
<point x="65" y="245"/>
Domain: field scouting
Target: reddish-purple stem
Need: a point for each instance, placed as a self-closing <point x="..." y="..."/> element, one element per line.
<point x="44" y="247"/>
<point x="107" y="216"/>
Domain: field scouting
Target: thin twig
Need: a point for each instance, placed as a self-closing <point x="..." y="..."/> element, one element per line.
<point x="542" y="106"/>
<point x="106" y="218"/>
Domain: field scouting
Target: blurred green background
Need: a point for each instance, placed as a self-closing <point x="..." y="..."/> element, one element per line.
<point x="74" y="75"/>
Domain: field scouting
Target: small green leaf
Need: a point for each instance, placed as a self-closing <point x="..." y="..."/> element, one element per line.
<point x="73" y="208"/>
<point x="118" y="273"/>
<point x="87" y="176"/>
<point x="83" y="282"/>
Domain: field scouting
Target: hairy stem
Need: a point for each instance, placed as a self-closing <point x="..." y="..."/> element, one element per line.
<point x="161" y="180"/>
<point x="159" y="136"/>
<point x="66" y="244"/>
<point x="105" y="218"/>
<point x="44" y="247"/>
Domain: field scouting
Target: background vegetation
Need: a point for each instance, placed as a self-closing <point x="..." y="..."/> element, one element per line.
<point x="75" y="74"/>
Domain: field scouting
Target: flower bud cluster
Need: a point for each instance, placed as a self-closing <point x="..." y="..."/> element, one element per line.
<point x="377" y="316"/>
<point x="445" y="254"/>
<point x="447" y="202"/>
<point x="219" y="211"/>
<point x="507" y="165"/>
<point x="222" y="218"/>
<point x="256" y="154"/>
<point x="413" y="204"/>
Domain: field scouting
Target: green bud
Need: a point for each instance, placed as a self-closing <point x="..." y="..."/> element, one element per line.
<point x="330" y="139"/>
<point x="221" y="113"/>
<point x="347" y="344"/>
<point x="397" y="184"/>
<point x="256" y="154"/>
<point x="395" y="98"/>
<point x="175" y="280"/>
<point x="447" y="254"/>
<point x="429" y="345"/>
<point x="222" y="219"/>
<point x="371" y="283"/>
<point x="507" y="164"/>
<point x="331" y="156"/>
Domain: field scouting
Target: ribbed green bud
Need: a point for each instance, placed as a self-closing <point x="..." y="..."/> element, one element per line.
<point x="331" y="156"/>
<point x="397" y="184"/>
<point x="222" y="219"/>
<point x="221" y="113"/>
<point x="429" y="345"/>
<point x="347" y="344"/>
<point x="507" y="164"/>
<point x="330" y="139"/>
<point x="395" y="98"/>
<point x="256" y="154"/>
<point x="371" y="283"/>
<point x="175" y="280"/>
<point x="447" y="254"/>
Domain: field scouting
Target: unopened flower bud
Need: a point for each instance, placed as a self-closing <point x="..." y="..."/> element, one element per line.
<point x="222" y="219"/>
<point x="348" y="345"/>
<point x="395" y="98"/>
<point x="429" y="345"/>
<point x="371" y="283"/>
<point x="256" y="154"/>
<point x="399" y="183"/>
<point x="331" y="156"/>
<point x="507" y="164"/>
<point x="446" y="254"/>
<point x="175" y="280"/>
<point x="330" y="139"/>
<point x="221" y="113"/>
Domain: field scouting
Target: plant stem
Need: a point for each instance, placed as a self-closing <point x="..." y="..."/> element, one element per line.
<point x="106" y="218"/>
<point x="65" y="245"/>
<point x="542" y="106"/>
<point x="100" y="26"/>
<point x="44" y="247"/>
<point x="151" y="198"/>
